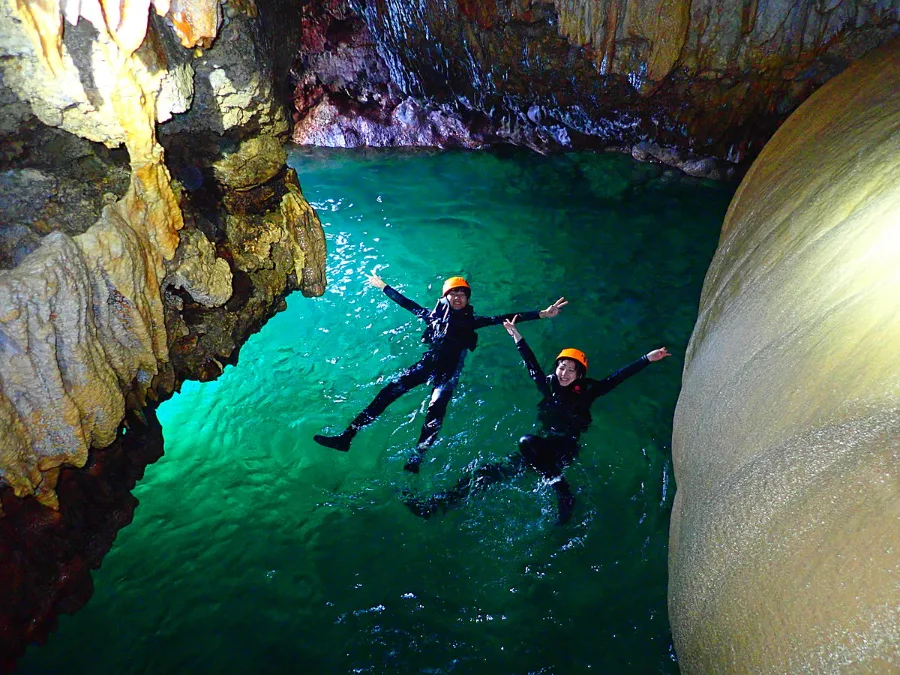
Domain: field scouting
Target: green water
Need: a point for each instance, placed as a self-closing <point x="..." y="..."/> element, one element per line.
<point x="255" y="550"/>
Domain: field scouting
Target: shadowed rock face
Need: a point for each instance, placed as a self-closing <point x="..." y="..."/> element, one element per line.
<point x="46" y="556"/>
<point x="707" y="79"/>
<point x="786" y="524"/>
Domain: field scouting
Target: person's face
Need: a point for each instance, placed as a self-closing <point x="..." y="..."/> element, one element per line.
<point x="566" y="372"/>
<point x="457" y="298"/>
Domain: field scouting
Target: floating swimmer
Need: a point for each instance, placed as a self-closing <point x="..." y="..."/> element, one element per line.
<point x="450" y="334"/>
<point x="564" y="413"/>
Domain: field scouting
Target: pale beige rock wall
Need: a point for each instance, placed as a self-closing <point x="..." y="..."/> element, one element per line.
<point x="646" y="40"/>
<point x="82" y="321"/>
<point x="785" y="533"/>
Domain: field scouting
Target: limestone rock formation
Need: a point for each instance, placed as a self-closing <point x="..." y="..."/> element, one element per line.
<point x="118" y="282"/>
<point x="206" y="278"/>
<point x="273" y="242"/>
<point x="86" y="334"/>
<point x="708" y="79"/>
<point x="83" y="317"/>
<point x="786" y="525"/>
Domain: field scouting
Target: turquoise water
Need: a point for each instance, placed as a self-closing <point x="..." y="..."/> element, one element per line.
<point x="255" y="550"/>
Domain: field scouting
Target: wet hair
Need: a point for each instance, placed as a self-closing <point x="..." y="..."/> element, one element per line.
<point x="580" y="370"/>
<point x="467" y="291"/>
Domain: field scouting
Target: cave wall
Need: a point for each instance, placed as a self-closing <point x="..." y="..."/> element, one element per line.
<point x="671" y="81"/>
<point x="82" y="315"/>
<point x="178" y="248"/>
<point x="90" y="316"/>
<point x="786" y="524"/>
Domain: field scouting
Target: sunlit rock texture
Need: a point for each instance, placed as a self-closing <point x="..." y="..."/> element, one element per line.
<point x="680" y="80"/>
<point x="786" y="525"/>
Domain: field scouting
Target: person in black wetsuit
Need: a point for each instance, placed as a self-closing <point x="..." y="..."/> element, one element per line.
<point x="450" y="334"/>
<point x="564" y="413"/>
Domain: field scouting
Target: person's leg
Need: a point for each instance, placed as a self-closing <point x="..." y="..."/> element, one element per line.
<point x="540" y="453"/>
<point x="434" y="420"/>
<point x="471" y="483"/>
<point x="445" y="383"/>
<point x="564" y="498"/>
<point x="412" y="377"/>
<point x="549" y="456"/>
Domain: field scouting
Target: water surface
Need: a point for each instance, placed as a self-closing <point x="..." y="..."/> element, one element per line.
<point x="256" y="550"/>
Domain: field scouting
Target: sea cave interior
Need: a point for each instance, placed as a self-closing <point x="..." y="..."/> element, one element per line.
<point x="199" y="205"/>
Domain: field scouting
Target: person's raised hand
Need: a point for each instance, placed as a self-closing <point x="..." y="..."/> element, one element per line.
<point x="376" y="281"/>
<point x="510" y="326"/>
<point x="553" y="309"/>
<point x="658" y="354"/>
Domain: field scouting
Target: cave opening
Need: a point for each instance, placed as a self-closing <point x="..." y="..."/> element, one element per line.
<point x="255" y="550"/>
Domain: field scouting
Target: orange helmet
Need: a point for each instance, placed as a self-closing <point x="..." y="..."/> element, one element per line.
<point x="576" y="355"/>
<point x="455" y="282"/>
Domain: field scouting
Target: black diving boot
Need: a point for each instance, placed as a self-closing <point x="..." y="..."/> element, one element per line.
<point x="412" y="464"/>
<point x="340" y="442"/>
<point x="420" y="507"/>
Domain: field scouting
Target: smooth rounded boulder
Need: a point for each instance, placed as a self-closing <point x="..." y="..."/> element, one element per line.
<point x="785" y="534"/>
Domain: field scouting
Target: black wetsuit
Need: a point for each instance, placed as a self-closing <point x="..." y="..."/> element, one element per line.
<point x="450" y="334"/>
<point x="564" y="413"/>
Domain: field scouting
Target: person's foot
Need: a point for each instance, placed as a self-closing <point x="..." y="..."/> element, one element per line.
<point x="412" y="464"/>
<point x="420" y="508"/>
<point x="340" y="442"/>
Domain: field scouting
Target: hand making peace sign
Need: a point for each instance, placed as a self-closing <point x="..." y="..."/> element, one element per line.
<point x="553" y="309"/>
<point x="510" y="326"/>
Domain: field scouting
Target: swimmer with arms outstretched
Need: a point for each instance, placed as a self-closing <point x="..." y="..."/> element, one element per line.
<point x="564" y="413"/>
<point x="450" y="334"/>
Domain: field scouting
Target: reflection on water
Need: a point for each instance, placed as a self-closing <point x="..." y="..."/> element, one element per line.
<point x="256" y="550"/>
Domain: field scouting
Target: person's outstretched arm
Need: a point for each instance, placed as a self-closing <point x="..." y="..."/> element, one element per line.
<point x="550" y="312"/>
<point x="607" y="385"/>
<point x="534" y="370"/>
<point x="398" y="297"/>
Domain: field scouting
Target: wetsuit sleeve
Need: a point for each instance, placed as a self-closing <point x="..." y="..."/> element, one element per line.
<point x="405" y="302"/>
<point x="607" y="385"/>
<point x="482" y="321"/>
<point x="534" y="370"/>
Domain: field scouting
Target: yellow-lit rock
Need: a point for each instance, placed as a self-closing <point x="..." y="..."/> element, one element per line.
<point x="83" y="322"/>
<point x="206" y="278"/>
<point x="256" y="161"/>
<point x="80" y="324"/>
<point x="785" y="537"/>
<point x="307" y="240"/>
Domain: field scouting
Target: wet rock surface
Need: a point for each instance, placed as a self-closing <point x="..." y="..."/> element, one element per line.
<point x="705" y="86"/>
<point x="272" y="243"/>
<point x="122" y="282"/>
<point x="52" y="181"/>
